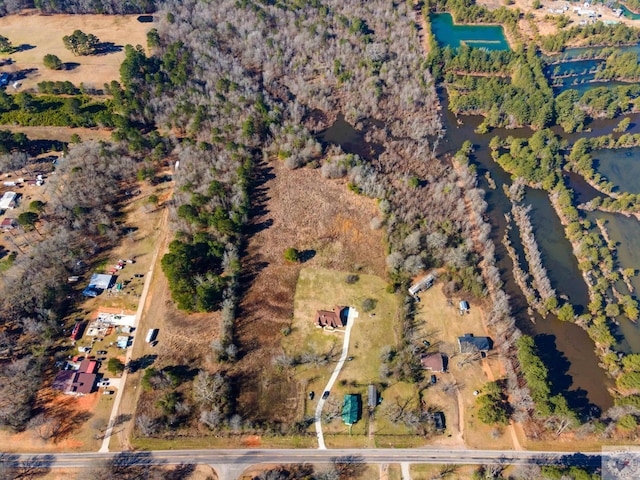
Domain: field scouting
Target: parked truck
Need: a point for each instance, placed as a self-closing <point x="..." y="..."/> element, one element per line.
<point x="151" y="335"/>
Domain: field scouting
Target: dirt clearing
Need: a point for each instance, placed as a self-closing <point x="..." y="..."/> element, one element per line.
<point x="38" y="35"/>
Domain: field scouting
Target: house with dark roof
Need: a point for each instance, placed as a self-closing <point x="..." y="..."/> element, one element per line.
<point x="332" y="319"/>
<point x="438" y="421"/>
<point x="469" y="344"/>
<point x="434" y="362"/>
<point x="80" y="379"/>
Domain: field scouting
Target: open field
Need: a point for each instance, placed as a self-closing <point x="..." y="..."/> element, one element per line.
<point x="62" y="134"/>
<point x="324" y="289"/>
<point x="291" y="209"/>
<point x="40" y="35"/>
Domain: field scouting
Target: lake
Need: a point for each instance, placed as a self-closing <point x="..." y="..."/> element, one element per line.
<point x="621" y="166"/>
<point x="489" y="37"/>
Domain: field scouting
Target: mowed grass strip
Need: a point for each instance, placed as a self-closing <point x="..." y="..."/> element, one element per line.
<point x="323" y="289"/>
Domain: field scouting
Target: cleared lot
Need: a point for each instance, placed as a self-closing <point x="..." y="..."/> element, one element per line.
<point x="39" y="35"/>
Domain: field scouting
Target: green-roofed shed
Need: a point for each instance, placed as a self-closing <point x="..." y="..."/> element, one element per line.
<point x="351" y="409"/>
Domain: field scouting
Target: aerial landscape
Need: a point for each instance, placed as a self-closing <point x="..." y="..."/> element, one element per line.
<point x="319" y="239"/>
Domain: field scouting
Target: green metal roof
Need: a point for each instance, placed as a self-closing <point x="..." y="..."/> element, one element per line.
<point x="351" y="409"/>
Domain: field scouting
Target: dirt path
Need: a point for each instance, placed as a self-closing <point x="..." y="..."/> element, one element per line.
<point x="422" y="32"/>
<point x="512" y="425"/>
<point x="353" y="314"/>
<point x="145" y="300"/>
<point x="460" y="407"/>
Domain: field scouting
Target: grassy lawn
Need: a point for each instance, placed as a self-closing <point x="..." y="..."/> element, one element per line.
<point x="430" y="471"/>
<point x="317" y="289"/>
<point x="43" y="33"/>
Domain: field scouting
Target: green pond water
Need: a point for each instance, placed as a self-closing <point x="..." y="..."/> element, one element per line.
<point x="489" y="37"/>
<point x="629" y="14"/>
<point x="621" y="166"/>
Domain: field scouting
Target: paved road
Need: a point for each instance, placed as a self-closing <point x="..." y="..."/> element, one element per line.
<point x="123" y="379"/>
<point x="351" y="318"/>
<point x="259" y="456"/>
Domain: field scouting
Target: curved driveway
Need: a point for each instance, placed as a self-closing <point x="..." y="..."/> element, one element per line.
<point x="351" y="318"/>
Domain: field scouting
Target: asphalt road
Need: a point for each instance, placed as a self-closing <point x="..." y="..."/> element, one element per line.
<point x="253" y="457"/>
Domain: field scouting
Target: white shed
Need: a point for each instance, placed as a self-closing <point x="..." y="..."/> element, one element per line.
<point x="8" y="200"/>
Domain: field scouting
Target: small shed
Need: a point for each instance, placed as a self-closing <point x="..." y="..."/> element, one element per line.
<point x="351" y="408"/>
<point x="464" y="306"/>
<point x="372" y="396"/>
<point x="438" y="421"/>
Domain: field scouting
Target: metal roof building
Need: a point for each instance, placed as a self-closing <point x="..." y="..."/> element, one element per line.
<point x="372" y="396"/>
<point x="8" y="200"/>
<point x="351" y="409"/>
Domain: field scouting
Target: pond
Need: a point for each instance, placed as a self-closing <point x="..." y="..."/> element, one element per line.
<point x="629" y="14"/>
<point x="625" y="233"/>
<point x="489" y="37"/>
<point x="621" y="166"/>
<point x="562" y="268"/>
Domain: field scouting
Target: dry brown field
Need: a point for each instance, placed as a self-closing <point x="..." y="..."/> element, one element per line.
<point x="62" y="134"/>
<point x="42" y="34"/>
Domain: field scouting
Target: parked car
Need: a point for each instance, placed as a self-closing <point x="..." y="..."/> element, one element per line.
<point x="139" y="275"/>
<point x="426" y="343"/>
<point x="433" y="379"/>
<point x="108" y="392"/>
<point x="103" y="383"/>
<point x="311" y="395"/>
<point x="101" y="352"/>
<point x="325" y="395"/>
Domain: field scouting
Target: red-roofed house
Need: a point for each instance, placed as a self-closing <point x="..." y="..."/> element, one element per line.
<point x="331" y="319"/>
<point x="77" y="382"/>
<point x="8" y="223"/>
<point x="433" y="362"/>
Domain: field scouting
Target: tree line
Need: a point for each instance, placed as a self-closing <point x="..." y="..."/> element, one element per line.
<point x="110" y="7"/>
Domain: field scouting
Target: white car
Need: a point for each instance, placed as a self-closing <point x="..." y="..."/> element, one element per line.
<point x="103" y="383"/>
